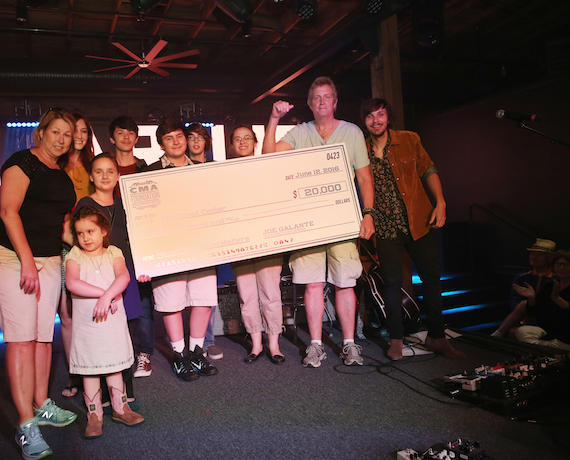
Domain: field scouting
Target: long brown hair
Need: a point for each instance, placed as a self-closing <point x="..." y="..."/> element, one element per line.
<point x="86" y="154"/>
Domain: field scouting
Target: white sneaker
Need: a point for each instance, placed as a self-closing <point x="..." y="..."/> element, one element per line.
<point x="144" y="367"/>
<point x="315" y="353"/>
<point x="351" y="354"/>
<point x="213" y="352"/>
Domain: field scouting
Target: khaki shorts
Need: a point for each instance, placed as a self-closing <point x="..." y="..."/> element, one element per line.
<point x="23" y="317"/>
<point x="198" y="288"/>
<point x="343" y="267"/>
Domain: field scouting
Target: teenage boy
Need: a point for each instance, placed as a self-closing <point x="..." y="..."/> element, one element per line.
<point x="196" y="289"/>
<point x="124" y="134"/>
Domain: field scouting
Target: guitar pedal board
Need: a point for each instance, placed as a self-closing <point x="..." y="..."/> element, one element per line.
<point x="460" y="449"/>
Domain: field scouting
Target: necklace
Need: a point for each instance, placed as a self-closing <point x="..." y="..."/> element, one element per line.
<point x="111" y="210"/>
<point x="97" y="267"/>
<point x="326" y="133"/>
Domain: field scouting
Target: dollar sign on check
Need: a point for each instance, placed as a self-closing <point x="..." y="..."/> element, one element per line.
<point x="294" y="193"/>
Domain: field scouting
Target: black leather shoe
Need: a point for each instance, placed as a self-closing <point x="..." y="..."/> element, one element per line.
<point x="277" y="359"/>
<point x="252" y="357"/>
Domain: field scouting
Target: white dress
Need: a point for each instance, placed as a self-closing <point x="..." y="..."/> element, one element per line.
<point x="102" y="347"/>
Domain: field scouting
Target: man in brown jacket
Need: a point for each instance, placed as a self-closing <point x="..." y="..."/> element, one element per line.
<point x="404" y="218"/>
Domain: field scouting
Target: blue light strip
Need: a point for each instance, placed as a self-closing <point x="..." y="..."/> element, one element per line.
<point x="449" y="311"/>
<point x="494" y="325"/>
<point x="448" y="293"/>
<point x="416" y="279"/>
<point x="205" y="125"/>
<point x="22" y="124"/>
<point x="459" y="291"/>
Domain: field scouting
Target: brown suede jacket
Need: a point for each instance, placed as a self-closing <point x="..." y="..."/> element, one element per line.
<point x="410" y="164"/>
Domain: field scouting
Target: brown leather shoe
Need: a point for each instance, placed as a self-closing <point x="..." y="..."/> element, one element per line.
<point x="443" y="347"/>
<point x="395" y="350"/>
<point x="121" y="410"/>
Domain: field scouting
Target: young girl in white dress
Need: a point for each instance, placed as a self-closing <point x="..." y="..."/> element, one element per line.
<point x="96" y="276"/>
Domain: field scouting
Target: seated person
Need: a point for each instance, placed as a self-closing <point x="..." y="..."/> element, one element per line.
<point x="540" y="260"/>
<point x="550" y="306"/>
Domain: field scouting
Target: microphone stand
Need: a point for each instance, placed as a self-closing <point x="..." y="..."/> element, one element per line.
<point x="553" y="140"/>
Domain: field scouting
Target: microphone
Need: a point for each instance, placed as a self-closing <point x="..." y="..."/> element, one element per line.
<point x="517" y="116"/>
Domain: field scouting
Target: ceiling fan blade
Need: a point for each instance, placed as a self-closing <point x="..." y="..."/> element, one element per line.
<point x="127" y="51"/>
<point x="155" y="50"/>
<point x="108" y="59"/>
<point x="135" y="70"/>
<point x="178" y="66"/>
<point x="158" y="70"/>
<point x="176" y="56"/>
<point x="113" y="68"/>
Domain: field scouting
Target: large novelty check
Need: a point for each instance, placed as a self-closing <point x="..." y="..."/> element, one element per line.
<point x="198" y="216"/>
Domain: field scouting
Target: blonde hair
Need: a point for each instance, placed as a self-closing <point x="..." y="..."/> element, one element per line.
<point x="322" y="81"/>
<point x="48" y="118"/>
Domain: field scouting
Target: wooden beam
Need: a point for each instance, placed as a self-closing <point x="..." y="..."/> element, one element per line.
<point x="385" y="70"/>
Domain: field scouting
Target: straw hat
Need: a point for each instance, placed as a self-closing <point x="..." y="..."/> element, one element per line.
<point x="542" y="245"/>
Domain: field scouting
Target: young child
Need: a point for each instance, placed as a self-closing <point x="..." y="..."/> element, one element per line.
<point x="96" y="276"/>
<point x="104" y="174"/>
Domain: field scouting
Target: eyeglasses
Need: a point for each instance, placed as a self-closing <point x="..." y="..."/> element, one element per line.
<point x="245" y="138"/>
<point x="195" y="138"/>
<point x="562" y="264"/>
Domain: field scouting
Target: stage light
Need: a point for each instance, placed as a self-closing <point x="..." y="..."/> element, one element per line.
<point x="372" y="6"/>
<point x="144" y="6"/>
<point x="21" y="12"/>
<point x="306" y="9"/>
<point x="246" y="30"/>
<point x="427" y="25"/>
<point x="205" y="125"/>
<point x="22" y="124"/>
<point x="239" y="10"/>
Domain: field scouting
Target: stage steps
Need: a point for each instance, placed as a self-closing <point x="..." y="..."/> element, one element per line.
<point x="472" y="301"/>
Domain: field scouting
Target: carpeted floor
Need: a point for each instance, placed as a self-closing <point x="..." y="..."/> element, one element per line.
<point x="264" y="411"/>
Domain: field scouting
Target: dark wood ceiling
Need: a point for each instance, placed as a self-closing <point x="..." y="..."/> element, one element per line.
<point x="487" y="46"/>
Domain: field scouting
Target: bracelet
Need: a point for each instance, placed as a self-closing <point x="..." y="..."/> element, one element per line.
<point x="370" y="211"/>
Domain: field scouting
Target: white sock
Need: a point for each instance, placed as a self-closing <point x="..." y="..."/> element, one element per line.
<point x="347" y="341"/>
<point x="178" y="347"/>
<point x="496" y="334"/>
<point x="196" y="343"/>
<point x="318" y="342"/>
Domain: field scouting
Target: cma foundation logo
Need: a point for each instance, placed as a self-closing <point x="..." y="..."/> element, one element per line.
<point x="144" y="194"/>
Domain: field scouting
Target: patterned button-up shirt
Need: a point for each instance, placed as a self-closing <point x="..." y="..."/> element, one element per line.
<point x="391" y="213"/>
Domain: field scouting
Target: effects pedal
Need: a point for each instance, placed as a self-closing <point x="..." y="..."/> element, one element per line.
<point x="408" y="454"/>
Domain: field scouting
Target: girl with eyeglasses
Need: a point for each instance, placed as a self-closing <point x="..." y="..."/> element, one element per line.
<point x="258" y="280"/>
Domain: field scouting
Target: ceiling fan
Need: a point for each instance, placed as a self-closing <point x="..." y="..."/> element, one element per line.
<point x="150" y="61"/>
